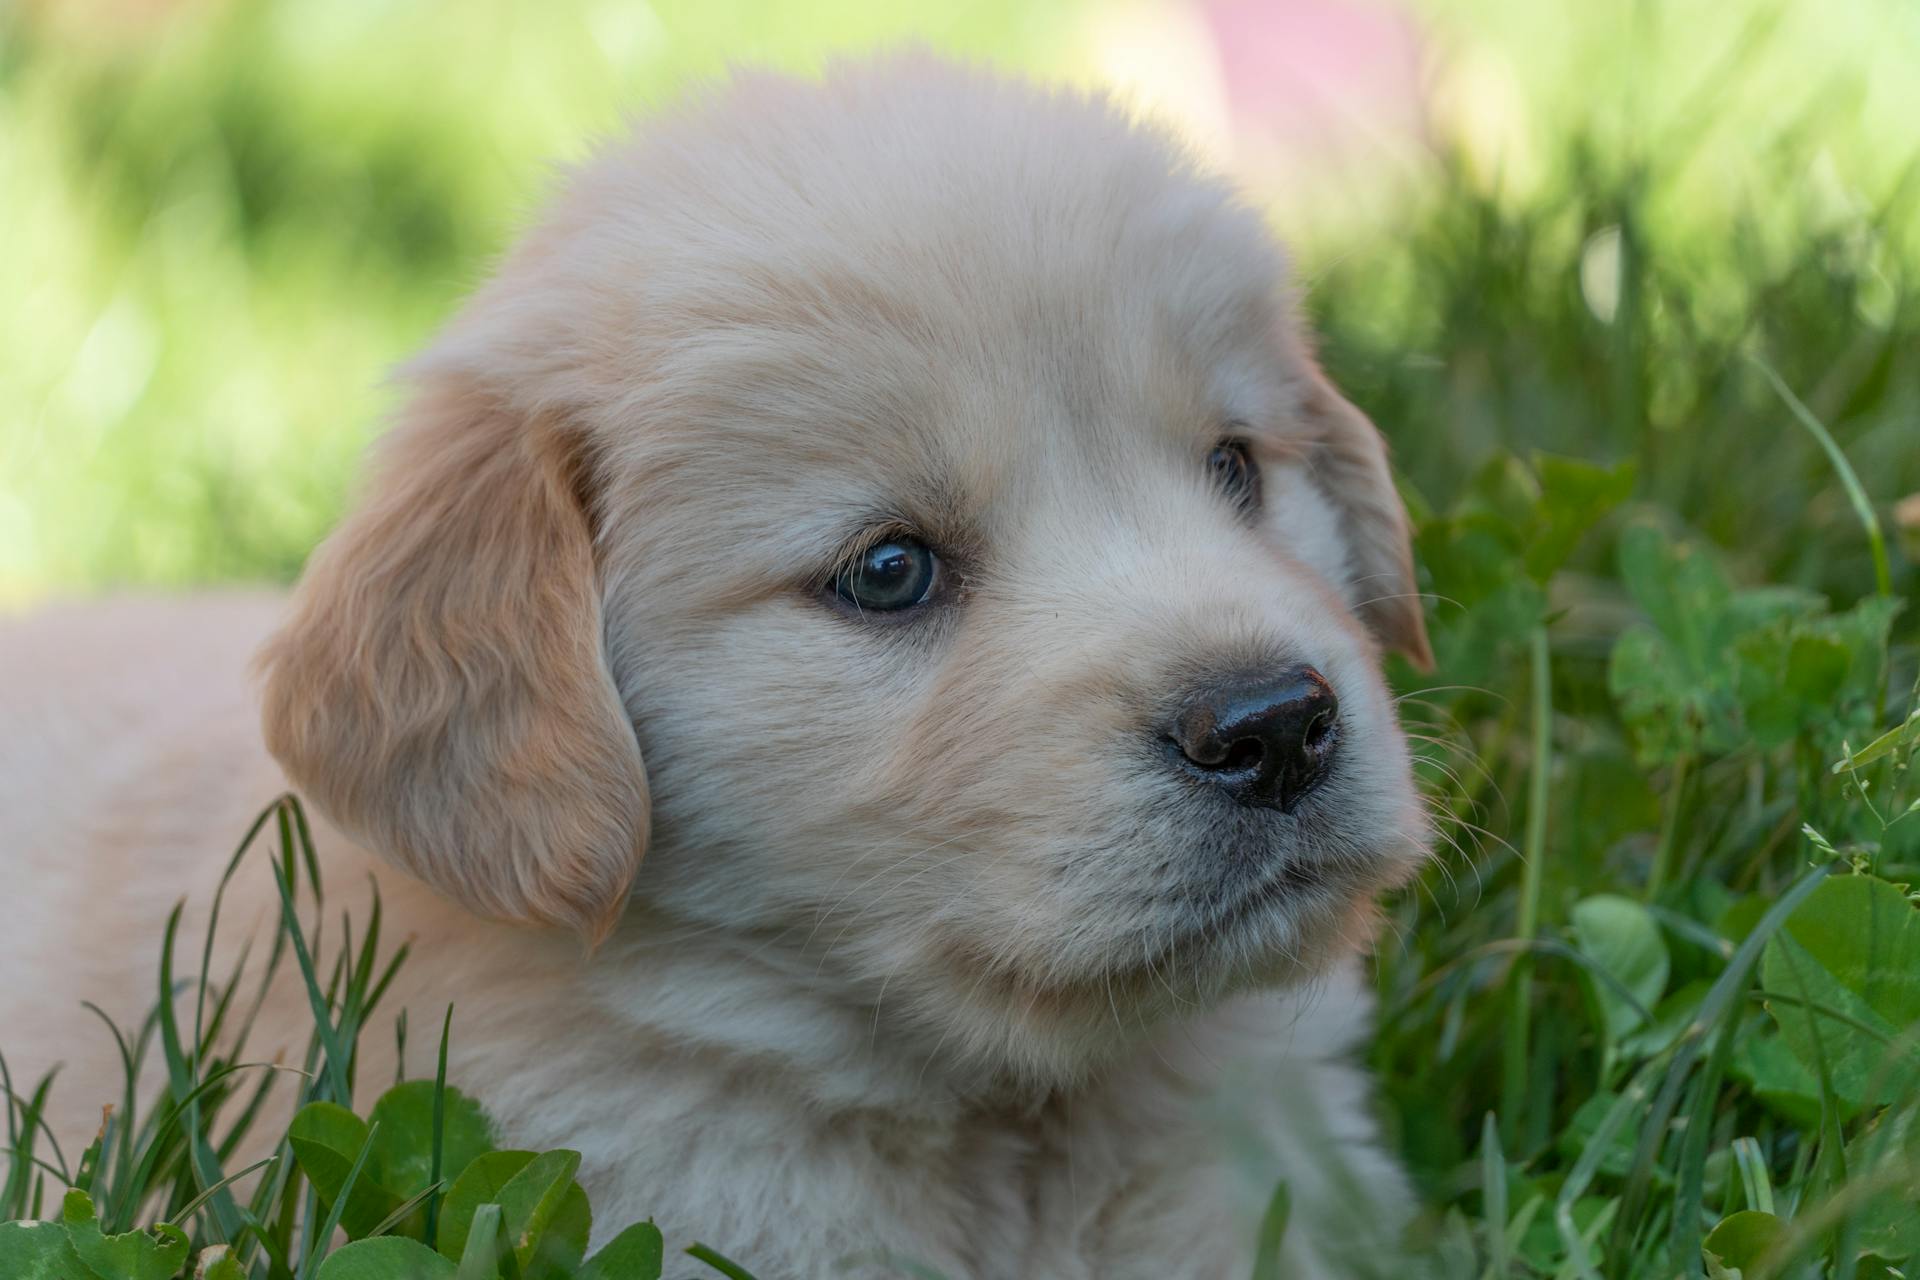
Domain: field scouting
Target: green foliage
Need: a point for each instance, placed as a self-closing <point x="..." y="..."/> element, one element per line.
<point x="155" y="1254"/>
<point x="398" y="1137"/>
<point x="38" y="1251"/>
<point x="77" y="1249"/>
<point x="345" y="1196"/>
<point x="1739" y="1242"/>
<point x="388" y="1258"/>
<point x="634" y="1254"/>
<point x="1629" y="965"/>
<point x="1721" y="1075"/>
<point x="1719" y="1070"/>
<point x="1843" y="983"/>
<point x="543" y="1211"/>
<point x="1713" y="668"/>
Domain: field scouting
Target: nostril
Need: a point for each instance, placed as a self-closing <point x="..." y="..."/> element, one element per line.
<point x="1247" y="753"/>
<point x="1320" y="732"/>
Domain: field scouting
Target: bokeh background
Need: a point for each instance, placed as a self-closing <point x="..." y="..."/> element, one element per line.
<point x="1521" y="223"/>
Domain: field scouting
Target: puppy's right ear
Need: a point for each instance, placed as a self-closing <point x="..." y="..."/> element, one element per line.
<point x="1352" y="465"/>
<point x="441" y="689"/>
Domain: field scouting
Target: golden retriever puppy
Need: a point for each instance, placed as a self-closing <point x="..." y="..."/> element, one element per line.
<point x="880" y="563"/>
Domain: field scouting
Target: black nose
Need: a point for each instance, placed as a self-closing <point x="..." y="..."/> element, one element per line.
<point x="1266" y="740"/>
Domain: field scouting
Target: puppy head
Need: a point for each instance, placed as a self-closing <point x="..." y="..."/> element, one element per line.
<point x="929" y="474"/>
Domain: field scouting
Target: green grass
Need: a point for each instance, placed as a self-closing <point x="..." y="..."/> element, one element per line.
<point x="1646" y="345"/>
<point x="415" y="1190"/>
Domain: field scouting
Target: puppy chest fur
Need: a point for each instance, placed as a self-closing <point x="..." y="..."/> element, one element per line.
<point x="1157" y="1166"/>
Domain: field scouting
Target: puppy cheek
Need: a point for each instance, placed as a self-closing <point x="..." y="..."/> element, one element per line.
<point x="1381" y="809"/>
<point x="1034" y="776"/>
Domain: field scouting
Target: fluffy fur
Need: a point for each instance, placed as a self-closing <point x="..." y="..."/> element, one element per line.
<point x="907" y="939"/>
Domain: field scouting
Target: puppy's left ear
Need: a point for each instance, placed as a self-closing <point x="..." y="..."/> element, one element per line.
<point x="1350" y="462"/>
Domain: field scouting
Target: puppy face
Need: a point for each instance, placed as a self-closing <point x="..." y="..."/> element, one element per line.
<point x="925" y="476"/>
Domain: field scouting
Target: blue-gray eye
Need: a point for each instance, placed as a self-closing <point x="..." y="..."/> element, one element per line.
<point x="1237" y="474"/>
<point x="898" y="573"/>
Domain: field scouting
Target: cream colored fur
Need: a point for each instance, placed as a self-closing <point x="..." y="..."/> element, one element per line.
<point x="907" y="938"/>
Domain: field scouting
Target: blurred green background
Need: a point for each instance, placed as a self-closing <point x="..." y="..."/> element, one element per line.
<point x="222" y="221"/>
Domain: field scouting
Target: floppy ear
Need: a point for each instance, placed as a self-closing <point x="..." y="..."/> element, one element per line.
<point x="1350" y="461"/>
<point x="441" y="689"/>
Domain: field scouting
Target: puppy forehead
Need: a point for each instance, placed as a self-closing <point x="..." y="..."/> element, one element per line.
<point x="971" y="285"/>
<point x="995" y="193"/>
<point x="890" y="395"/>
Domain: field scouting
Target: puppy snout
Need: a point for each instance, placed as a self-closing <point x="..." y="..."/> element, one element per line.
<point x="1265" y="740"/>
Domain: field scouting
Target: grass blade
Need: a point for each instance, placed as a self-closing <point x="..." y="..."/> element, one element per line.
<point x="1273" y="1233"/>
<point x="436" y="1172"/>
<point x="1856" y="495"/>
<point x="719" y="1262"/>
<point x="1493" y="1192"/>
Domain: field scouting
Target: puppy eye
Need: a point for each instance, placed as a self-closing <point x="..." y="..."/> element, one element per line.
<point x="1237" y="474"/>
<point x="896" y="574"/>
